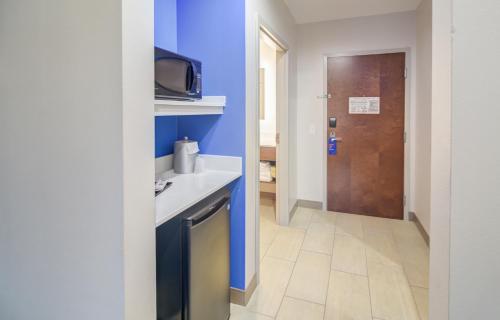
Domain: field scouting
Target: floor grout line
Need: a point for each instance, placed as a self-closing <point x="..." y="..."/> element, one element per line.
<point x="329" y="273"/>
<point x="415" y="302"/>
<point x="289" y="279"/>
<point x="304" y="300"/>
<point x="406" y="276"/>
<point x="368" y="280"/>
<point x="420" y="287"/>
<point x="278" y="258"/>
<point x="259" y="313"/>
<point x="312" y="251"/>
<point x="364" y="229"/>
<point x="282" y="259"/>
<point x="350" y="273"/>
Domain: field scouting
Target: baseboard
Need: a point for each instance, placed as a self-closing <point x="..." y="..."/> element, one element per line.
<point x="310" y="204"/>
<point x="294" y="209"/>
<point x="241" y="297"/>
<point x="413" y="217"/>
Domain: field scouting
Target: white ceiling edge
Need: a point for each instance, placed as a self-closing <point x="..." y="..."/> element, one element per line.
<point x="316" y="11"/>
<point x="354" y="17"/>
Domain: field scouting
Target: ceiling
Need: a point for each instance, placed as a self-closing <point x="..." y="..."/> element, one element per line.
<point x="306" y="11"/>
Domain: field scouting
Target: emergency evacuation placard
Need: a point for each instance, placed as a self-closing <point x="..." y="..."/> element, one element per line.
<point x="364" y="105"/>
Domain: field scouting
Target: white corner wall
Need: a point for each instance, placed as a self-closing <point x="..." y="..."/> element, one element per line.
<point x="475" y="162"/>
<point x="139" y="225"/>
<point x="68" y="231"/>
<point x="423" y="112"/>
<point x="439" y="269"/>
<point x="315" y="40"/>
<point x="277" y="16"/>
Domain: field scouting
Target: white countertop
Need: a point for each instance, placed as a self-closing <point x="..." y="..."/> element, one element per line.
<point x="188" y="189"/>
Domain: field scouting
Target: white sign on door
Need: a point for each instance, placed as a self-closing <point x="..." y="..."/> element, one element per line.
<point x="364" y="105"/>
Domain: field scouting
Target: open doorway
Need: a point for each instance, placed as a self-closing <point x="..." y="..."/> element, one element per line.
<point x="269" y="53"/>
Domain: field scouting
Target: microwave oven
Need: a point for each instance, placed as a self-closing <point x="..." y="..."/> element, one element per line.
<point x="176" y="77"/>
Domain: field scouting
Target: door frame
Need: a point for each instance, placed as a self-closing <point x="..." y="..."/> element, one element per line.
<point x="282" y="214"/>
<point x="407" y="127"/>
<point x="252" y="157"/>
<point x="282" y="69"/>
<point x="282" y="66"/>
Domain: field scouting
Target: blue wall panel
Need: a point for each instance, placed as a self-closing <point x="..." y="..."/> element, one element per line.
<point x="165" y="135"/>
<point x="214" y="32"/>
<point x="166" y="24"/>
<point x="166" y="38"/>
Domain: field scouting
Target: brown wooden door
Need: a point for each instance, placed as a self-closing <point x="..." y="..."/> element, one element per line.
<point x="367" y="174"/>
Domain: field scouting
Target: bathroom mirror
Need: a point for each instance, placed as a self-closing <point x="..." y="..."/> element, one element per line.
<point x="262" y="93"/>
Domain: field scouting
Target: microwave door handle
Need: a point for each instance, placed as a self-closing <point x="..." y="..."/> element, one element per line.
<point x="189" y="78"/>
<point x="194" y="80"/>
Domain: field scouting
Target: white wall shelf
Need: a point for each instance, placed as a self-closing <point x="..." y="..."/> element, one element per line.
<point x="207" y="105"/>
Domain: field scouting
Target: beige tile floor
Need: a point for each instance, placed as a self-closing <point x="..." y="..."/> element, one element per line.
<point x="334" y="266"/>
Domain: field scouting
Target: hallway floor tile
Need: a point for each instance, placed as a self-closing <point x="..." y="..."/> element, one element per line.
<point x="336" y="266"/>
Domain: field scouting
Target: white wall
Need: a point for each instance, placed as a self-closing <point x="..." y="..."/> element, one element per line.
<point x="475" y="162"/>
<point x="277" y="16"/>
<point x="138" y="159"/>
<point x="393" y="31"/>
<point x="64" y="221"/>
<point x="268" y="124"/>
<point x="439" y="271"/>
<point x="423" y="115"/>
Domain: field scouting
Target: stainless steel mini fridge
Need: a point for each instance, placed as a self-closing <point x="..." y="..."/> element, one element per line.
<point x="206" y="261"/>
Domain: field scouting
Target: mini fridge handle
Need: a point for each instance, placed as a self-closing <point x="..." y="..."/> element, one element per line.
<point x="203" y="215"/>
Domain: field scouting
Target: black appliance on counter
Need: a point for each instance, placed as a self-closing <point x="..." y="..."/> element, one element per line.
<point x="192" y="262"/>
<point x="176" y="77"/>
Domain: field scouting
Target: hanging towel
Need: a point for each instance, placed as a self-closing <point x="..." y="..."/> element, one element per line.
<point x="265" y="172"/>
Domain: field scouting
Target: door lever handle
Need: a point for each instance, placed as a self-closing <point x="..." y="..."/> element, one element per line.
<point x="324" y="96"/>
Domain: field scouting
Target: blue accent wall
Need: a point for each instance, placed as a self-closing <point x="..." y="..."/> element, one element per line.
<point x="166" y="24"/>
<point x="214" y="33"/>
<point x="166" y="38"/>
<point x="165" y="135"/>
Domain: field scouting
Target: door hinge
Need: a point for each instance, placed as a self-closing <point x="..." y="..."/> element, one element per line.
<point x="277" y="138"/>
<point x="404" y="200"/>
<point x="406" y="73"/>
<point x="404" y="137"/>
